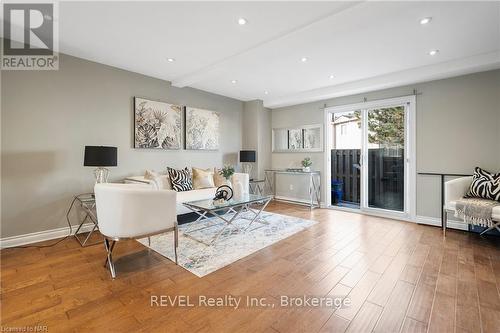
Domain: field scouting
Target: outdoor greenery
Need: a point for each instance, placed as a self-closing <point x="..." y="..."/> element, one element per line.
<point x="385" y="125"/>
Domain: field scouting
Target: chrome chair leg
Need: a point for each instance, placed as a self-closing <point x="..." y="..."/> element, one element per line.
<point x="110" y="250"/>
<point x="176" y="240"/>
<point x="109" y="259"/>
<point x="445" y="221"/>
<point x="494" y="226"/>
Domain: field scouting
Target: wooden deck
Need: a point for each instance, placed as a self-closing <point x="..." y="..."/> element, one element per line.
<point x="400" y="277"/>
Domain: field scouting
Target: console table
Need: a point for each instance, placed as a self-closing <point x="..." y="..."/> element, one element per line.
<point x="257" y="186"/>
<point x="314" y="178"/>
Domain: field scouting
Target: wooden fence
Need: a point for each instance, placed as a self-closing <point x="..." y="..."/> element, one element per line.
<point x="385" y="177"/>
<point x="345" y="167"/>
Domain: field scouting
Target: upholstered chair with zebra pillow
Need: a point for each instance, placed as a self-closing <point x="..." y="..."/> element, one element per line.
<point x="474" y="199"/>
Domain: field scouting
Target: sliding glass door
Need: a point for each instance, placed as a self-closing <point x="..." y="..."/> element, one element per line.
<point x="386" y="158"/>
<point x="346" y="143"/>
<point x="371" y="156"/>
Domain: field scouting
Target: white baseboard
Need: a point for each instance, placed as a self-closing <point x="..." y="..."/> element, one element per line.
<point x="41" y="236"/>
<point x="428" y="220"/>
<point x="436" y="221"/>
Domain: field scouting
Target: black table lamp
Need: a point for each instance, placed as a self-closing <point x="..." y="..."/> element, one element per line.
<point x="247" y="157"/>
<point x="100" y="157"/>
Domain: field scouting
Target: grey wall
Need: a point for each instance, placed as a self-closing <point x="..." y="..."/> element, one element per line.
<point x="457" y="129"/>
<point x="292" y="186"/>
<point x="265" y="141"/>
<point x="250" y="138"/>
<point x="257" y="135"/>
<point x="49" y="116"/>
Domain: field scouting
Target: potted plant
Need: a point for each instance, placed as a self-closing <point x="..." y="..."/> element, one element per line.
<point x="306" y="164"/>
<point x="227" y="171"/>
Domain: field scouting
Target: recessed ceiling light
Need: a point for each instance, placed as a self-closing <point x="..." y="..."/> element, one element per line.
<point x="433" y="52"/>
<point x="303" y="59"/>
<point x="266" y="92"/>
<point x="425" y="20"/>
<point x="331" y="76"/>
<point x="242" y="21"/>
<point x="170" y="59"/>
<point x="233" y="81"/>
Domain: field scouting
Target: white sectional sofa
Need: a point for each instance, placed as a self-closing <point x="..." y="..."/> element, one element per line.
<point x="199" y="194"/>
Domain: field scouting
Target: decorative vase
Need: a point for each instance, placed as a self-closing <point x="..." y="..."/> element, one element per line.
<point x="306" y="169"/>
<point x="238" y="191"/>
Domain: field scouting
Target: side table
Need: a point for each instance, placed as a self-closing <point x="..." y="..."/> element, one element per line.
<point x="87" y="204"/>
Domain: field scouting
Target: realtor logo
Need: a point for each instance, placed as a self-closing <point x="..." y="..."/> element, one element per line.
<point x="29" y="36"/>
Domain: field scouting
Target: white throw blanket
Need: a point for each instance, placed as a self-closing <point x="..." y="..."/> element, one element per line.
<point x="476" y="211"/>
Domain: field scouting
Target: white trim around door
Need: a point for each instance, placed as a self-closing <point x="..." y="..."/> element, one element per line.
<point x="409" y="102"/>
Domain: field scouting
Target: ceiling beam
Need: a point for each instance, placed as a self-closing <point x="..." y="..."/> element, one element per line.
<point x="477" y="63"/>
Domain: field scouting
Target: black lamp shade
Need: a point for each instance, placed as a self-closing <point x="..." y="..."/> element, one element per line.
<point x="100" y="156"/>
<point x="247" y="156"/>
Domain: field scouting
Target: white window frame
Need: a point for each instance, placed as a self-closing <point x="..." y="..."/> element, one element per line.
<point x="410" y="205"/>
<point x="343" y="129"/>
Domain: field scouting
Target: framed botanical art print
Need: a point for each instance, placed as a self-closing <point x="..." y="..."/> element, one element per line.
<point x="312" y="137"/>
<point x="202" y="129"/>
<point x="295" y="139"/>
<point x="305" y="138"/>
<point x="158" y="125"/>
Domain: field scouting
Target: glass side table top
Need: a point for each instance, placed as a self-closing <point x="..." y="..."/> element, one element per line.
<point x="297" y="171"/>
<point x="209" y="204"/>
<point x="86" y="197"/>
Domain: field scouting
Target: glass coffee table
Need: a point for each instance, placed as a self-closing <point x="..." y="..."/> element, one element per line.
<point x="227" y="211"/>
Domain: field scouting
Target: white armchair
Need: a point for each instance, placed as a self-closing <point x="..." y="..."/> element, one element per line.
<point x="455" y="189"/>
<point x="127" y="211"/>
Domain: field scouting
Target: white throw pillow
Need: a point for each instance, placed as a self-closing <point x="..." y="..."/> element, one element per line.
<point x="150" y="174"/>
<point x="159" y="182"/>
<point x="162" y="182"/>
<point x="203" y="178"/>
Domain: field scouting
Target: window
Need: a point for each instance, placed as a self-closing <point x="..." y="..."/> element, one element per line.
<point x="343" y="129"/>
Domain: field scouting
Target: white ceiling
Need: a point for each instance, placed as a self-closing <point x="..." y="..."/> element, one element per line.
<point x="365" y="45"/>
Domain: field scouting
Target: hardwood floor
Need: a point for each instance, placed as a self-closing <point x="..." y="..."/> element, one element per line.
<point x="399" y="277"/>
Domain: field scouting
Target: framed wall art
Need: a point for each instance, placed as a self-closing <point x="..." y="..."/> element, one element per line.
<point x="202" y="129"/>
<point x="157" y="125"/>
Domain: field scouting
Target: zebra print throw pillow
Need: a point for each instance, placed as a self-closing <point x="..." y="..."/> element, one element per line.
<point x="181" y="179"/>
<point x="484" y="185"/>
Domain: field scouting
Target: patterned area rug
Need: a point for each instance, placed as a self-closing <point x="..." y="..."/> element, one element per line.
<point x="233" y="244"/>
